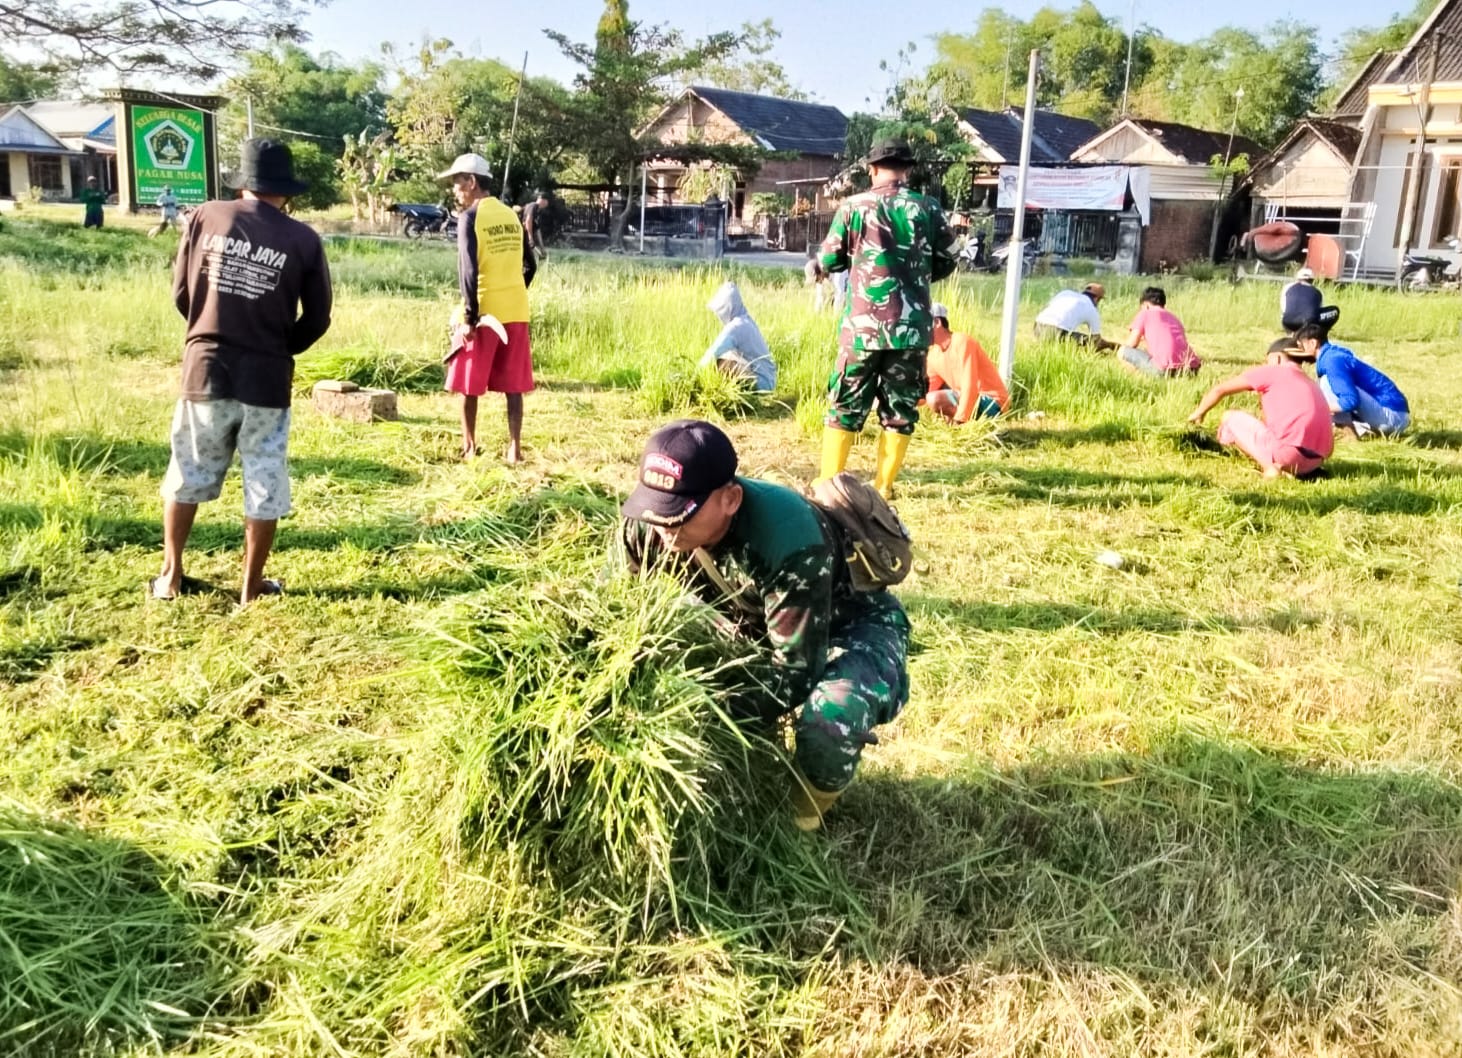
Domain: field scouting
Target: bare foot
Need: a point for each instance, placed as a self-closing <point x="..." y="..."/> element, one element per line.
<point x="468" y="451"/>
<point x="1273" y="473"/>
<point x="514" y="454"/>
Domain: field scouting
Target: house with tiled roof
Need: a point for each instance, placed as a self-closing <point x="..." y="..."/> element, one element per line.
<point x="808" y="139"/>
<point x="1185" y="186"/>
<point x="1383" y="101"/>
<point x="52" y="146"/>
<point x="996" y="135"/>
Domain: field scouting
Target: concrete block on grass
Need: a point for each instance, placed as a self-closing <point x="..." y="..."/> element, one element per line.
<point x="346" y="400"/>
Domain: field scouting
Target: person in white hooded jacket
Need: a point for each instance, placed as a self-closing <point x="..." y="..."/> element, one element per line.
<point x="739" y="350"/>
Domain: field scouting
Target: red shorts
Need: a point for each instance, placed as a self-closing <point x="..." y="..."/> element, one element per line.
<point x="486" y="365"/>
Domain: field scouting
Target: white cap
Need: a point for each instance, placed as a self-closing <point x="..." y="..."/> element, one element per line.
<point x="472" y="164"/>
<point x="1305" y="273"/>
<point x="939" y="311"/>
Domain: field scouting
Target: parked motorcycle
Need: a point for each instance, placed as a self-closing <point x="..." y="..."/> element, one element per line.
<point x="1424" y="272"/>
<point x="1028" y="252"/>
<point x="419" y="219"/>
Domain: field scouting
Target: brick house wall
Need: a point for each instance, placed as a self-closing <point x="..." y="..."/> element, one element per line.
<point x="1179" y="233"/>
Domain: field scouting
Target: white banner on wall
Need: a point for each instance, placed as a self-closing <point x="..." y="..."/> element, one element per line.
<point x="1098" y="187"/>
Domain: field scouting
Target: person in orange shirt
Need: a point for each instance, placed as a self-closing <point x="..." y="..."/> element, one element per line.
<point x="963" y="383"/>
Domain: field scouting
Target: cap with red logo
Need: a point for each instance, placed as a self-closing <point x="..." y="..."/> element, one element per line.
<point x="684" y="462"/>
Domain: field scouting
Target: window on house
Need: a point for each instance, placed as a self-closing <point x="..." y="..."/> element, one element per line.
<point x="5" y="191"/>
<point x="1420" y="198"/>
<point x="1449" y="209"/>
<point x="45" y="172"/>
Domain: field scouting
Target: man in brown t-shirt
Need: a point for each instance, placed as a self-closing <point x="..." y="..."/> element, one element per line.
<point x="254" y="287"/>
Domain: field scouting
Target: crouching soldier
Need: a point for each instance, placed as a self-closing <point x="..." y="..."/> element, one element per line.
<point x="770" y="561"/>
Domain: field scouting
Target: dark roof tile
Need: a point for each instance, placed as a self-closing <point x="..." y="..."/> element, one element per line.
<point x="782" y="124"/>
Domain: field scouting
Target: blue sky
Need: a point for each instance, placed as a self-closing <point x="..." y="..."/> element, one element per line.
<point x="830" y="50"/>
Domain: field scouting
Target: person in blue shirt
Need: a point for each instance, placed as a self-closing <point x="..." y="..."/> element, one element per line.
<point x="739" y="350"/>
<point x="1361" y="398"/>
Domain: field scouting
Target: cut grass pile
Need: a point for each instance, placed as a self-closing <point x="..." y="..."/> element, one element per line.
<point x="464" y="790"/>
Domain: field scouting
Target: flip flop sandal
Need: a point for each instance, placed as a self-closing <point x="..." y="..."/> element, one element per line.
<point x="158" y="591"/>
<point x="270" y="586"/>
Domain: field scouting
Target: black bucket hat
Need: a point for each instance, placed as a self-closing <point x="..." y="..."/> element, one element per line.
<point x="890" y="149"/>
<point x="267" y="168"/>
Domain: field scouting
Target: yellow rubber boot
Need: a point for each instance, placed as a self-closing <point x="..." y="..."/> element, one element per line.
<point x="892" y="447"/>
<point x="836" y="444"/>
<point x="809" y="804"/>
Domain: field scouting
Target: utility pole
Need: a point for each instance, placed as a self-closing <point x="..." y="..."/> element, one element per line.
<point x="1015" y="261"/>
<point x="1413" y="182"/>
<point x="1005" y="85"/>
<point x="1228" y="153"/>
<point x="1131" y="35"/>
<point x="513" y="134"/>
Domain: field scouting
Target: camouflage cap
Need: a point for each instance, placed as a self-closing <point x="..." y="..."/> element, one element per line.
<point x="890" y="151"/>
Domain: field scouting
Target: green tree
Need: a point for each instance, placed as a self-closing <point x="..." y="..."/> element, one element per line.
<point x="1278" y="72"/>
<point x="623" y="77"/>
<point x="319" y="101"/>
<point x="1359" y="44"/>
<point x="192" y="38"/>
<point x="20" y="82"/>
<point x="1084" y="61"/>
<point x="749" y="68"/>
<point x="446" y="104"/>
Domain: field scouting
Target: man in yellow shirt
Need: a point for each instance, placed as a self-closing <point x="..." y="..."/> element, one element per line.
<point x="963" y="383"/>
<point x="495" y="264"/>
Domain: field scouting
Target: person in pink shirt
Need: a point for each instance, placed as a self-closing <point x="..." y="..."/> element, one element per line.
<point x="1295" y="435"/>
<point x="1168" y="351"/>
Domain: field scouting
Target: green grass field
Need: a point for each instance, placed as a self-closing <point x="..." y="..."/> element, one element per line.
<point x="463" y="792"/>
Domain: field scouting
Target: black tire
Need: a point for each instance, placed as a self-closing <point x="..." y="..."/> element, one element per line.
<point x="414" y="229"/>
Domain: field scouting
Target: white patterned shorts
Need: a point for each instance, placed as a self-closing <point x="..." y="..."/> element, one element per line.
<point x="205" y="436"/>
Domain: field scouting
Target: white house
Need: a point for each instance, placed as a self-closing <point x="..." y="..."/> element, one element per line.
<point x="1387" y="94"/>
<point x="54" y="145"/>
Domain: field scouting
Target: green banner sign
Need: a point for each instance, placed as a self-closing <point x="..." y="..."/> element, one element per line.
<point x="168" y="148"/>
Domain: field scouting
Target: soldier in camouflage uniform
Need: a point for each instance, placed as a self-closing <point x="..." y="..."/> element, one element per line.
<point x="769" y="561"/>
<point x="894" y="243"/>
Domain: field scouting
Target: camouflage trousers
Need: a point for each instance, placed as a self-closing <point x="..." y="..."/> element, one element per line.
<point x="866" y="683"/>
<point x="893" y="379"/>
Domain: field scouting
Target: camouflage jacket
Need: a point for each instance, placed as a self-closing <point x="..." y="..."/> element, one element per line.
<point x="791" y="589"/>
<point x="894" y="242"/>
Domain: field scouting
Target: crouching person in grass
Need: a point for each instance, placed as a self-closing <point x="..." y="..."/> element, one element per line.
<point x="1362" y="399"/>
<point x="771" y="563"/>
<point x="1167" y="350"/>
<point x="1294" y="437"/>
<point x="963" y="383"/>
<point x="255" y="289"/>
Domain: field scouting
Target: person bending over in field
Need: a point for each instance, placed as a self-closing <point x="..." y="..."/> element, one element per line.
<point x="772" y="564"/>
<point x="739" y="350"/>
<point x="1167" y="350"/>
<point x="1300" y="303"/>
<point x="254" y="286"/>
<point x="1362" y="399"/>
<point x="963" y="383"/>
<point x="1070" y="310"/>
<point x="1294" y="436"/>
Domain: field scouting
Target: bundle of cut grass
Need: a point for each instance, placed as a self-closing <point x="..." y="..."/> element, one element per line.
<point x="374" y="368"/>
<point x="94" y="949"/>
<point x="688" y="389"/>
<point x="598" y="733"/>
